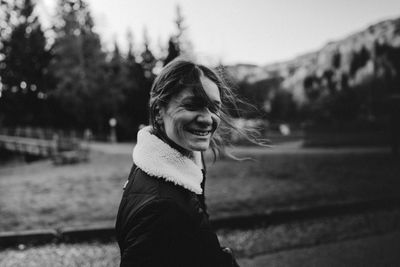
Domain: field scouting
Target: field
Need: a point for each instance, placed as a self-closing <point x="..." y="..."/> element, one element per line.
<point x="41" y="195"/>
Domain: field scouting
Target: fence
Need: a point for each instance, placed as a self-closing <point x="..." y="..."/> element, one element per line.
<point x="63" y="147"/>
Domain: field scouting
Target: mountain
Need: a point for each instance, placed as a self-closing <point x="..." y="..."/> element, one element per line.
<point x="366" y="63"/>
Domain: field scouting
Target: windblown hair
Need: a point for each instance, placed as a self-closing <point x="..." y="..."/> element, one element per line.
<point x="180" y="74"/>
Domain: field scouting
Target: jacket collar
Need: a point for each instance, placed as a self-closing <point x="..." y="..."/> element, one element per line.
<point x="158" y="159"/>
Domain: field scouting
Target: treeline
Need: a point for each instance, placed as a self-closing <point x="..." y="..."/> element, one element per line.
<point x="358" y="86"/>
<point x="62" y="78"/>
<point x="351" y="82"/>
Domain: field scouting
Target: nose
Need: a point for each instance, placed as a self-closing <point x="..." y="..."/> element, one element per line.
<point x="205" y="117"/>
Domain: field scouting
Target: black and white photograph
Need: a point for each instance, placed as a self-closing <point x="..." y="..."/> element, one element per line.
<point x="214" y="133"/>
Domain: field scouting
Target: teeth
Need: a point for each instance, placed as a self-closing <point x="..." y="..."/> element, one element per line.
<point x="200" y="133"/>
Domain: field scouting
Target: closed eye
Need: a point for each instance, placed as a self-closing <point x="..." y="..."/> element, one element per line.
<point x="193" y="106"/>
<point x="214" y="108"/>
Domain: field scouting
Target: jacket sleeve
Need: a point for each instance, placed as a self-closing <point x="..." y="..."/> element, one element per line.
<point x="162" y="234"/>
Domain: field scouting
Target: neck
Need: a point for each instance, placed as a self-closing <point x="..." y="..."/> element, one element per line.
<point x="166" y="139"/>
<point x="195" y="156"/>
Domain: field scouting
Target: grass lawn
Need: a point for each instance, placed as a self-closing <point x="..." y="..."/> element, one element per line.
<point x="296" y="180"/>
<point x="41" y="195"/>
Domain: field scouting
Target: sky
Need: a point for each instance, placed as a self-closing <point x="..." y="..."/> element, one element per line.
<point x="235" y="31"/>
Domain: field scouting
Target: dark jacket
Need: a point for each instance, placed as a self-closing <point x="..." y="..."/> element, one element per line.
<point x="163" y="224"/>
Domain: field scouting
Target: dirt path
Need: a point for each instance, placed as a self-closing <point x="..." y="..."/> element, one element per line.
<point x="294" y="147"/>
<point x="118" y="148"/>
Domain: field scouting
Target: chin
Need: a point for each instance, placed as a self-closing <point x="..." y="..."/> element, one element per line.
<point x="199" y="147"/>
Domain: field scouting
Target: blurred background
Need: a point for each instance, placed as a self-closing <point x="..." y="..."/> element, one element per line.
<point x="323" y="81"/>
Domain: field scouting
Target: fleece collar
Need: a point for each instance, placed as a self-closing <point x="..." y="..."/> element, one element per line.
<point x="158" y="159"/>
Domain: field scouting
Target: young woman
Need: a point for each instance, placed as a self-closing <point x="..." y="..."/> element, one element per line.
<point x="162" y="219"/>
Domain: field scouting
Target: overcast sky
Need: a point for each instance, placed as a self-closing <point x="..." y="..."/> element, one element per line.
<point x="236" y="31"/>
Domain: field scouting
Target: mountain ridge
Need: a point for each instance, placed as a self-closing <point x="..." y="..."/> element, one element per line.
<point x="363" y="66"/>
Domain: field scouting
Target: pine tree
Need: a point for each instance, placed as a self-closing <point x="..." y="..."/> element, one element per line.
<point x="178" y="44"/>
<point x="24" y="62"/>
<point x="130" y="111"/>
<point x="117" y="81"/>
<point x="128" y="92"/>
<point x="79" y="69"/>
<point x="138" y="90"/>
<point x="135" y="69"/>
<point x="173" y="51"/>
<point x="148" y="60"/>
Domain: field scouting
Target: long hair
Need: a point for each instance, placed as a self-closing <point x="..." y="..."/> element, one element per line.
<point x="181" y="73"/>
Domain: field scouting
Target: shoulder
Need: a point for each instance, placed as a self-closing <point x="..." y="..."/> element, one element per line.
<point x="149" y="204"/>
<point x="143" y="189"/>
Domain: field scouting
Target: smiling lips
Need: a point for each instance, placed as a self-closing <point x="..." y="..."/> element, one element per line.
<point x="199" y="132"/>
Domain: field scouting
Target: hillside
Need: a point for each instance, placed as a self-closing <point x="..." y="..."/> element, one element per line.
<point x="366" y="62"/>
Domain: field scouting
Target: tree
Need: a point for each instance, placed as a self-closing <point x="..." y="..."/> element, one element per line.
<point x="117" y="81"/>
<point x="148" y="60"/>
<point x="359" y="59"/>
<point x="336" y="59"/>
<point x="312" y="88"/>
<point x="120" y="85"/>
<point x="173" y="51"/>
<point x="178" y="43"/>
<point x="136" y="94"/>
<point x="282" y="107"/>
<point x="24" y="63"/>
<point x="257" y="94"/>
<point x="135" y="69"/>
<point x="128" y="90"/>
<point x="78" y="67"/>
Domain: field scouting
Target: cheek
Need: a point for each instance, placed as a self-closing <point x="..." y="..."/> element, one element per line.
<point x="178" y="122"/>
<point x="216" y="121"/>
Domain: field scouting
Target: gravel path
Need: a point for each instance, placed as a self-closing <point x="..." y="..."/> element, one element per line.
<point x="63" y="255"/>
<point x="253" y="247"/>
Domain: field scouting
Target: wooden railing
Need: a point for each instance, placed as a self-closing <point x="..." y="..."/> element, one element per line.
<point x="60" y="147"/>
<point x="24" y="145"/>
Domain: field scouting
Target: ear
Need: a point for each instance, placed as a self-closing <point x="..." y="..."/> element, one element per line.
<point x="159" y="114"/>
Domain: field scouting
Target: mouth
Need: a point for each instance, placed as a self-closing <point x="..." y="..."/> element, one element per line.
<point x="199" y="132"/>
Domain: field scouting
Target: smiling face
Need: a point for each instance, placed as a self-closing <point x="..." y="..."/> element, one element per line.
<point x="189" y="120"/>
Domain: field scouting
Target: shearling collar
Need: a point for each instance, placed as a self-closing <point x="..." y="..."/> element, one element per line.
<point x="158" y="159"/>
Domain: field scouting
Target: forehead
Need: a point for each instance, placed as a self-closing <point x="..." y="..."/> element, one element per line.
<point x="210" y="88"/>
